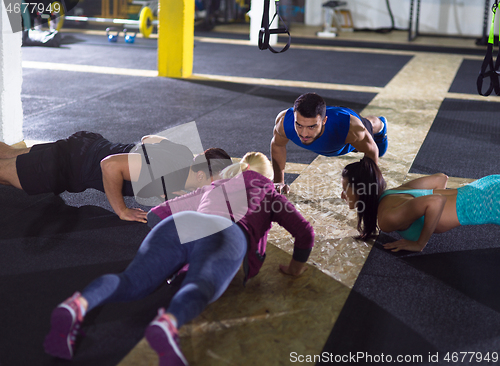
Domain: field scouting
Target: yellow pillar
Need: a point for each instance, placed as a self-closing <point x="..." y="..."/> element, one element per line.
<point x="175" y="38"/>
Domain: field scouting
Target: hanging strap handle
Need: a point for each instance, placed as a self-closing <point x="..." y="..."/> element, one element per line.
<point x="494" y="68"/>
<point x="265" y="32"/>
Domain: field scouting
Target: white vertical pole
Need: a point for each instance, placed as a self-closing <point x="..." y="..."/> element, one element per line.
<point x="11" y="78"/>
<point x="255" y="14"/>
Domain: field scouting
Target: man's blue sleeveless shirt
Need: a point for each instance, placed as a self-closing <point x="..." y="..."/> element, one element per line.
<point x="332" y="141"/>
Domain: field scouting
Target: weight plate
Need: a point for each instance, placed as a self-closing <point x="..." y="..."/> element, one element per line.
<point x="146" y="22"/>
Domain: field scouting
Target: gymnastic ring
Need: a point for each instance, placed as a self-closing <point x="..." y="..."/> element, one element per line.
<point x="146" y="22"/>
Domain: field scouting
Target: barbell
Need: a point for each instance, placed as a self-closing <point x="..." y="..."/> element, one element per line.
<point x="145" y="21"/>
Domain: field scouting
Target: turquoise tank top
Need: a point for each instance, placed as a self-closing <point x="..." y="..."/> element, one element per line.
<point x="413" y="232"/>
<point x="332" y="141"/>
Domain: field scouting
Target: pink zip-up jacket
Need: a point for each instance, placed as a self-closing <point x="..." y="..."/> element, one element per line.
<point x="251" y="201"/>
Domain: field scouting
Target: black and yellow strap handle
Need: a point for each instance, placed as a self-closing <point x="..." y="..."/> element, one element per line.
<point x="489" y="69"/>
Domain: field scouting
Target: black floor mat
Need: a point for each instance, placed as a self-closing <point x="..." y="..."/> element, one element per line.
<point x="437" y="302"/>
<point x="49" y="250"/>
<point x="463" y="141"/>
<point x="340" y="42"/>
<point x="466" y="77"/>
<point x="323" y="66"/>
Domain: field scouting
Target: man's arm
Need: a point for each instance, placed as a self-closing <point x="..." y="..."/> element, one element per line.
<point x="278" y="151"/>
<point x="361" y="139"/>
<point x="115" y="169"/>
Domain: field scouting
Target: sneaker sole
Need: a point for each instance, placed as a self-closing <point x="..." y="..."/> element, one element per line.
<point x="384" y="121"/>
<point x="57" y="343"/>
<point x="160" y="339"/>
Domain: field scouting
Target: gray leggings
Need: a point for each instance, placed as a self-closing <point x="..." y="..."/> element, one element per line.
<point x="213" y="262"/>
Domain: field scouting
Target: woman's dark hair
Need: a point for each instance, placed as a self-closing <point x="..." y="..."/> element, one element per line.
<point x="310" y="105"/>
<point x="216" y="158"/>
<point x="366" y="179"/>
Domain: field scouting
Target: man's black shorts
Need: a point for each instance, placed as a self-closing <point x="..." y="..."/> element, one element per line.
<point x="368" y="125"/>
<point x="71" y="164"/>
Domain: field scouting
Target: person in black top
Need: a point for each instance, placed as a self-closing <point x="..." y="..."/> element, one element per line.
<point x="155" y="167"/>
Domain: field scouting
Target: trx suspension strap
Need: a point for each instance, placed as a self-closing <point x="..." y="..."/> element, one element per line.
<point x="265" y="32"/>
<point x="494" y="68"/>
<point x="151" y="171"/>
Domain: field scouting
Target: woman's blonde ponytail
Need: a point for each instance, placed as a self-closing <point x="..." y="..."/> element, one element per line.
<point x="255" y="161"/>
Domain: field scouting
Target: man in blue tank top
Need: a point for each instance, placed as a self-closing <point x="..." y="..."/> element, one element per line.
<point x="329" y="131"/>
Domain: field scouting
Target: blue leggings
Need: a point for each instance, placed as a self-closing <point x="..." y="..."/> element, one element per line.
<point x="478" y="202"/>
<point x="213" y="262"/>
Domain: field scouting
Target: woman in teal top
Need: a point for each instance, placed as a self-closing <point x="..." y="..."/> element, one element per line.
<point x="418" y="208"/>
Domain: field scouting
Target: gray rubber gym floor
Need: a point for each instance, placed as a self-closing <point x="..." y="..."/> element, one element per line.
<point x="53" y="245"/>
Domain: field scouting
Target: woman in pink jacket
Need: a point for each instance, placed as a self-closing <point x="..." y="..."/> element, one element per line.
<point x="214" y="230"/>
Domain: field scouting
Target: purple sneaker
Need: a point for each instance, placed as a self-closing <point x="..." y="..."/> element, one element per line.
<point x="65" y="324"/>
<point x="161" y="335"/>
